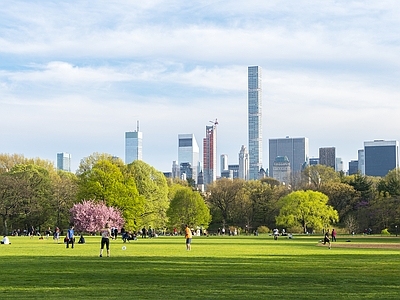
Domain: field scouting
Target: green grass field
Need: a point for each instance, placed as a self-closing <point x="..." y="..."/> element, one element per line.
<point x="244" y="267"/>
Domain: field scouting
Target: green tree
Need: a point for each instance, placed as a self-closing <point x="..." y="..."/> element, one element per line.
<point x="390" y="184"/>
<point x="314" y="176"/>
<point x="224" y="196"/>
<point x="105" y="181"/>
<point x="342" y="197"/>
<point x="264" y="198"/>
<point x="188" y="207"/>
<point x="308" y="209"/>
<point x="35" y="192"/>
<point x="362" y="184"/>
<point x="65" y="190"/>
<point x="152" y="185"/>
<point x="11" y="198"/>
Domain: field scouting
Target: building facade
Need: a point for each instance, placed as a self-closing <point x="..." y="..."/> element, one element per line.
<point x="210" y="155"/>
<point x="255" y="120"/>
<point x="224" y="162"/>
<point x="353" y="167"/>
<point x="64" y="161"/>
<point x="281" y="169"/>
<point x="188" y="153"/>
<point x="381" y="157"/>
<point x="295" y="149"/>
<point x="327" y="157"/>
<point x="244" y="163"/>
<point x="133" y="145"/>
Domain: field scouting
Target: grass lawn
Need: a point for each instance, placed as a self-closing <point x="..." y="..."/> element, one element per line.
<point x="245" y="267"/>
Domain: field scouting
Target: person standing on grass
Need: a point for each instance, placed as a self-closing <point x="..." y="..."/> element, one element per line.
<point x="57" y="235"/>
<point x="71" y="237"/>
<point x="188" y="237"/>
<point x="105" y="239"/>
<point x="327" y="239"/>
<point x="333" y="234"/>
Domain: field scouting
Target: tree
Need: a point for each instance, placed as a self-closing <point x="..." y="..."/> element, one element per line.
<point x="224" y="196"/>
<point x="105" y="181"/>
<point x="316" y="175"/>
<point x="35" y="192"/>
<point x="308" y="209"/>
<point x="188" y="207"/>
<point x="65" y="189"/>
<point x="11" y="198"/>
<point x="363" y="184"/>
<point x="152" y="185"/>
<point x="390" y="184"/>
<point x="342" y="197"/>
<point x="90" y="216"/>
<point x="264" y="198"/>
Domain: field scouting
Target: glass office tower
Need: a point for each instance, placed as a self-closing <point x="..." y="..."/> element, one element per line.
<point x="255" y="118"/>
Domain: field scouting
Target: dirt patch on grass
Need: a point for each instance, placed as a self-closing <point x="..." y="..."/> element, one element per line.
<point x="363" y="245"/>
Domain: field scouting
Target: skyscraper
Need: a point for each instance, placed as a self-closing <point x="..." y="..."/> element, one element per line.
<point x="243" y="163"/>
<point x="255" y="118"/>
<point x="381" y="157"/>
<point x="210" y="154"/>
<point x="224" y="162"/>
<point x="188" y="153"/>
<point x="64" y="161"/>
<point x="133" y="145"/>
<point x="295" y="149"/>
<point x="327" y="157"/>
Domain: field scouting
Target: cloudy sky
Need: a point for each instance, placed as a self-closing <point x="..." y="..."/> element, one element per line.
<point x="75" y="75"/>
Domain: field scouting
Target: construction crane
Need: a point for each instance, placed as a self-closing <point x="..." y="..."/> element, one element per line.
<point x="214" y="122"/>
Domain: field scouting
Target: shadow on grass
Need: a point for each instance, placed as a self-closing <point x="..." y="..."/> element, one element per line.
<point x="161" y="277"/>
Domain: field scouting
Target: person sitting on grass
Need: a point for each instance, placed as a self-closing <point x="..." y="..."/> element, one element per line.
<point x="5" y="240"/>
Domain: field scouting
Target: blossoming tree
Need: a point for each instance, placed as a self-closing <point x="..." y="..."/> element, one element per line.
<point x="91" y="216"/>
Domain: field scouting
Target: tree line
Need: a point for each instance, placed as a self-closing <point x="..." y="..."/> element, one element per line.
<point x="33" y="193"/>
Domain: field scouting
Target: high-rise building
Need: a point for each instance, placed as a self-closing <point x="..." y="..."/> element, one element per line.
<point x="64" y="161"/>
<point x="339" y="164"/>
<point x="244" y="163"/>
<point x="210" y="154"/>
<point x="381" y="157"/>
<point x="175" y="170"/>
<point x="313" y="161"/>
<point x="353" y="167"/>
<point x="255" y="118"/>
<point x="234" y="170"/>
<point x="188" y="153"/>
<point x="133" y="145"/>
<point x="295" y="149"/>
<point x="224" y="162"/>
<point x="361" y="161"/>
<point x="327" y="156"/>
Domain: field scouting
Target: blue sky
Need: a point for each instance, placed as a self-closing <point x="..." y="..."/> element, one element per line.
<point x="75" y="75"/>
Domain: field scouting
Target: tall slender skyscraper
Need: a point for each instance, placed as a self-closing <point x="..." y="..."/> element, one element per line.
<point x="188" y="153"/>
<point x="133" y="145"/>
<point x="64" y="161"/>
<point x="255" y="118"/>
<point x="210" y="154"/>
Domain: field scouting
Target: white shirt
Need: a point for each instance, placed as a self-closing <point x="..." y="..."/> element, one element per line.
<point x="5" y="240"/>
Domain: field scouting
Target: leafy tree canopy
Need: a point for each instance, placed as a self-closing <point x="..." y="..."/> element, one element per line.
<point x="188" y="207"/>
<point x="306" y="209"/>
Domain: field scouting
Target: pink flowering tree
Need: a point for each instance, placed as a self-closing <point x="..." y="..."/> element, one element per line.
<point x="90" y="216"/>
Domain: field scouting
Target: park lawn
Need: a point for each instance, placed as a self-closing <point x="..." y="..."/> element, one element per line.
<point x="245" y="267"/>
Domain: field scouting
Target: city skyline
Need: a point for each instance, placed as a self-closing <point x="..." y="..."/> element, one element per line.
<point x="75" y="77"/>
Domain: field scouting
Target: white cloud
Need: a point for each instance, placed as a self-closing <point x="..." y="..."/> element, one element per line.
<point x="78" y="74"/>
